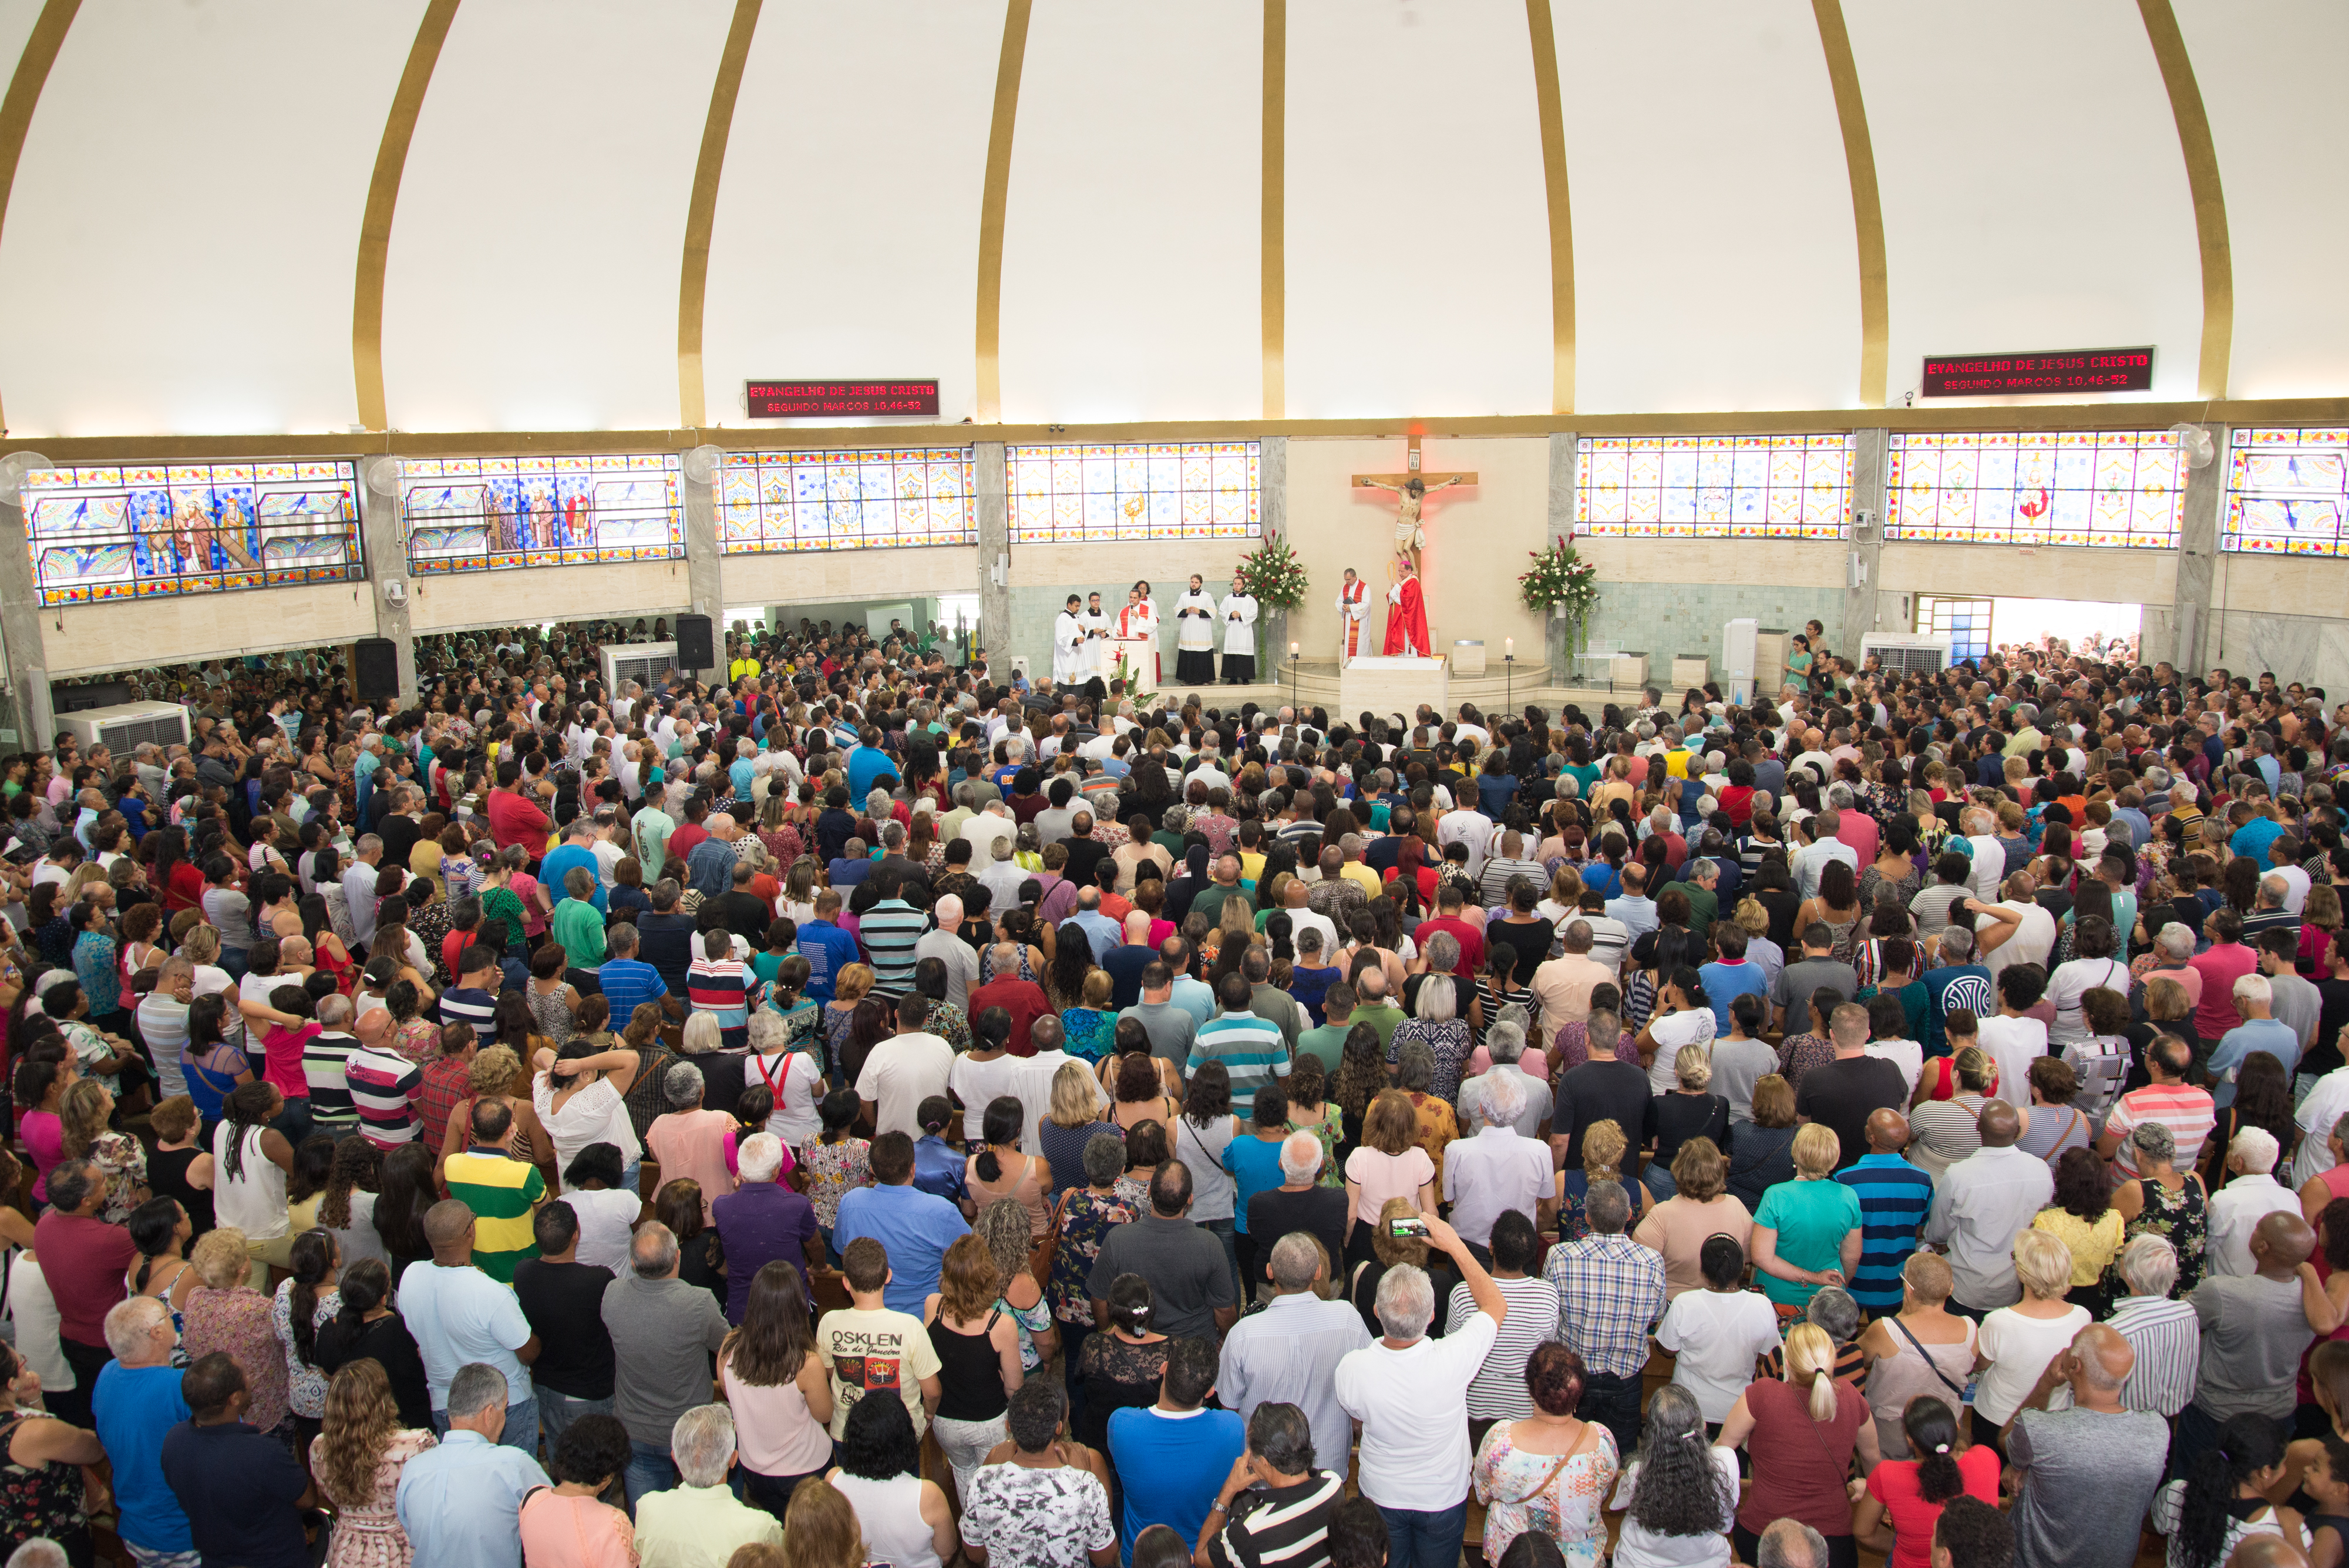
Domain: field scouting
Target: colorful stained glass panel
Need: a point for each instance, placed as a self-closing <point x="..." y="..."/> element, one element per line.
<point x="1758" y="487"/>
<point x="1191" y="489"/>
<point x="2288" y="492"/>
<point x="493" y="514"/>
<point x="121" y="532"/>
<point x="770" y="501"/>
<point x="2112" y="488"/>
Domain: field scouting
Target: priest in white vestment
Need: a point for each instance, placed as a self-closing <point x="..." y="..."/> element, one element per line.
<point x="1137" y="633"/>
<point x="1195" y="636"/>
<point x="1239" y="619"/>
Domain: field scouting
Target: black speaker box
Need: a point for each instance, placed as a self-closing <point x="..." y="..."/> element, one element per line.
<point x="695" y="650"/>
<point x="377" y="663"/>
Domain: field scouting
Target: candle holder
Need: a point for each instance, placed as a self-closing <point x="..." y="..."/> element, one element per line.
<point x="1509" y="673"/>
<point x="1293" y="649"/>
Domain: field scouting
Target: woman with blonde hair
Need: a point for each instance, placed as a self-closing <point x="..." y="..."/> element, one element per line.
<point x="356" y="1459"/>
<point x="1602" y="1160"/>
<point x="226" y="1314"/>
<point x="1701" y="1207"/>
<point x="1389" y="1250"/>
<point x="850" y="986"/>
<point x="1075" y="1117"/>
<point x="1807" y="1232"/>
<point x="83" y="1112"/>
<point x="821" y="1529"/>
<point x="491" y="1076"/>
<point x="979" y="1364"/>
<point x="1390" y="1166"/>
<point x="2018" y="1342"/>
<point x="1691" y="1110"/>
<point x="1801" y="1434"/>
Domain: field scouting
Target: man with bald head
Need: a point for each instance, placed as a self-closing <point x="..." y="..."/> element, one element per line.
<point x="2255" y="1327"/>
<point x="1979" y="1204"/>
<point x="1894" y="1199"/>
<point x="2085" y="1476"/>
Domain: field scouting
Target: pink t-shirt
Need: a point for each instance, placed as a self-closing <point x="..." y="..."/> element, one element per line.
<point x="284" y="1065"/>
<point x="1382" y="1176"/>
<point x="1678" y="1226"/>
<point x="694" y="1144"/>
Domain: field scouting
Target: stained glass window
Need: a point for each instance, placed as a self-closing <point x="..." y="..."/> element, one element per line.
<point x="1189" y="490"/>
<point x="2287" y="492"/>
<point x="489" y="513"/>
<point x="1965" y="622"/>
<point x="846" y="499"/>
<point x="128" y="532"/>
<point x="2036" y="487"/>
<point x="1760" y="487"/>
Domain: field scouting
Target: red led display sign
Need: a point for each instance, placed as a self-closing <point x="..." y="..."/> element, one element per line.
<point x="839" y="399"/>
<point x="2010" y="375"/>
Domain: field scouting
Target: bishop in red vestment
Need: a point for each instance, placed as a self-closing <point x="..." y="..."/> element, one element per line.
<point x="1407" y="620"/>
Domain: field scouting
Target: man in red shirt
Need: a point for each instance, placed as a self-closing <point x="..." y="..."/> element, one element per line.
<point x="1024" y="1000"/>
<point x="1448" y="903"/>
<point x="513" y="818"/>
<point x="84" y="1261"/>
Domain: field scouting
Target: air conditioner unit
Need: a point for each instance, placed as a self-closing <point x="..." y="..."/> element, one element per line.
<point x="1920" y="654"/>
<point x="1738" y="656"/>
<point x="129" y="724"/>
<point x="647" y="663"/>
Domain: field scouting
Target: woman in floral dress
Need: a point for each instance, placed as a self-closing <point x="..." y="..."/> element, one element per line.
<point x="1088" y="1214"/>
<point x="315" y="1259"/>
<point x="83" y="1111"/>
<point x="834" y="1163"/>
<point x="357" y="1460"/>
<point x="226" y="1314"/>
<point x="1549" y="1472"/>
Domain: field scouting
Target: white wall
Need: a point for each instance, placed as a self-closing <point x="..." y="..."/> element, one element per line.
<point x="183" y="232"/>
<point x="2034" y="197"/>
<point x="2270" y="75"/>
<point x="533" y="280"/>
<point x="1418" y="226"/>
<point x="1713" y="251"/>
<point x="171" y="629"/>
<point x="1130" y="240"/>
<point x="847" y="241"/>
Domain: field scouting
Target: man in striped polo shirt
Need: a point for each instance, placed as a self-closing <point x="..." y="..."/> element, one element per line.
<point x="720" y="984"/>
<point x="890" y="930"/>
<point x="1894" y="1199"/>
<point x="502" y="1191"/>
<point x="1249" y="1047"/>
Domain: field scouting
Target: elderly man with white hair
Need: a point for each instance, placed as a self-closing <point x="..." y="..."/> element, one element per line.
<point x="1411" y="1395"/>
<point x="2166" y="1334"/>
<point x="2251" y="1195"/>
<point x="1288" y="1352"/>
<point x="1505" y="1043"/>
<point x="1300" y="1203"/>
<point x="1499" y="1170"/>
<point x="944" y="943"/>
<point x="992" y="824"/>
<point x="137" y="1403"/>
<point x="698" y="1523"/>
<point x="1003" y="875"/>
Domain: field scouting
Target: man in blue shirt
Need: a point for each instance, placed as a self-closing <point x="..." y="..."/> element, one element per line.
<point x="627" y="981"/>
<point x="2253" y="837"/>
<point x="916" y="1227"/>
<point x="137" y="1405"/>
<point x="1100" y="931"/>
<point x="237" y="1488"/>
<point x="1172" y="1458"/>
<point x="1729" y="976"/>
<point x="474" y="998"/>
<point x="866" y="763"/>
<point x="827" y="948"/>
<point x="1894" y="1198"/>
<point x="2260" y="1030"/>
<point x="461" y="1503"/>
<point x="1958" y="983"/>
<point x="577" y="849"/>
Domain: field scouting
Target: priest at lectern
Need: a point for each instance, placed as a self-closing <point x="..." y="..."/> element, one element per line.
<point x="1407" y="620"/>
<point x="1137" y="633"/>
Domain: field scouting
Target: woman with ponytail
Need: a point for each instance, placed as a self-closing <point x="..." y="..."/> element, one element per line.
<point x="2222" y="1499"/>
<point x="364" y="1327"/>
<point x="1800" y="1435"/>
<point x="1904" y="1497"/>
<point x="305" y="1303"/>
<point x="999" y="1170"/>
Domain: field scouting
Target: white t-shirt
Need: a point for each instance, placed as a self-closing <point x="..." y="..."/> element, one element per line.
<point x="797" y="1083"/>
<point x="211" y="979"/>
<point x="2013" y="1043"/>
<point x="1693" y="1027"/>
<point x="595" y="1114"/>
<point x="901" y="1072"/>
<point x="975" y="1084"/>
<point x="607" y="1224"/>
<point x="1414" y="1407"/>
<point x="1715" y="1336"/>
<point x="2075" y="980"/>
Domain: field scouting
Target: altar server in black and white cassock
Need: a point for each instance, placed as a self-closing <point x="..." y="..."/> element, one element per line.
<point x="1195" y="636"/>
<point x="1239" y="634"/>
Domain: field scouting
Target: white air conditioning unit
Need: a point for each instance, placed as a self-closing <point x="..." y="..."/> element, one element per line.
<point x="645" y="662"/>
<point x="131" y="724"/>
<point x="1907" y="653"/>
<point x="1738" y="640"/>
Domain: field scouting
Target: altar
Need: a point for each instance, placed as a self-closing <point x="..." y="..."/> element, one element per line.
<point x="1380" y="685"/>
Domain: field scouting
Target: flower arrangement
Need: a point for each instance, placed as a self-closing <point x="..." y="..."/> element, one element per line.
<point x="1126" y="681"/>
<point x="1563" y="583"/>
<point x="1274" y="573"/>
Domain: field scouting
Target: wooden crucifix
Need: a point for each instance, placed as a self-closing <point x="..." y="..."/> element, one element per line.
<point x="1410" y="489"/>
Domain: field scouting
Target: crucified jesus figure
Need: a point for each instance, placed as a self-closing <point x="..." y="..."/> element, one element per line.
<point x="1410" y="538"/>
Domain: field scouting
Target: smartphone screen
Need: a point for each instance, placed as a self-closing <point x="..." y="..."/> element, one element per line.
<point x="1406" y="1227"/>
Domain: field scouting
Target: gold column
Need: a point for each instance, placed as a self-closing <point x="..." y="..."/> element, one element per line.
<point x="702" y="213"/>
<point x="32" y="74"/>
<point x="1272" y="221"/>
<point x="992" y="198"/>
<point x="2209" y="201"/>
<point x="383" y="196"/>
<point x="1867" y="205"/>
<point x="1561" y="210"/>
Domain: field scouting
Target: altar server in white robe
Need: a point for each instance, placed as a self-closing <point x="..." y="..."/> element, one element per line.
<point x="1070" y="659"/>
<point x="1137" y="627"/>
<point x="1239" y="634"/>
<point x="1195" y="636"/>
<point x="1098" y="627"/>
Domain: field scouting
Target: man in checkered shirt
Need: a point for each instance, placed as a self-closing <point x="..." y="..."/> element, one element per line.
<point x="1611" y="1291"/>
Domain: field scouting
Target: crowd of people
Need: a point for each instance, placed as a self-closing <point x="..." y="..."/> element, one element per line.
<point x="540" y="1122"/>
